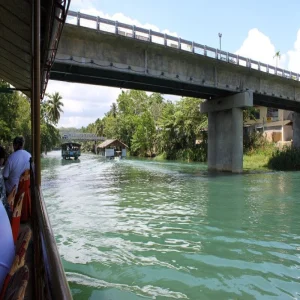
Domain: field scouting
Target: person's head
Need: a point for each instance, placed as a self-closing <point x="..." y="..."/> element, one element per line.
<point x="18" y="143"/>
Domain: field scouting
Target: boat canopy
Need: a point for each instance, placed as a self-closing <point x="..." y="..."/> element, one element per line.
<point x="70" y="144"/>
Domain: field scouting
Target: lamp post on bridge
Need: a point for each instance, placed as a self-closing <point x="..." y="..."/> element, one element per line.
<point x="220" y="38"/>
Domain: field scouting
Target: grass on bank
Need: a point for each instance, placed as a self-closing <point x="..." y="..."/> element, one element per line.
<point x="255" y="162"/>
<point x="259" y="155"/>
<point x="258" y="158"/>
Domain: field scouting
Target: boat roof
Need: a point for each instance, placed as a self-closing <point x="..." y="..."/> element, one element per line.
<point x="111" y="141"/>
<point x="70" y="143"/>
<point x="16" y="41"/>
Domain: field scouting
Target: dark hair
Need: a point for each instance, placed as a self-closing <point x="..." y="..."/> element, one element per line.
<point x="19" y="141"/>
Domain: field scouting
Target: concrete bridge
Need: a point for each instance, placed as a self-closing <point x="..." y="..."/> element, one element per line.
<point x="121" y="55"/>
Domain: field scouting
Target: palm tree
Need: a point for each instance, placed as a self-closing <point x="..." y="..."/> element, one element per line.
<point x="54" y="107"/>
<point x="44" y="111"/>
<point x="113" y="110"/>
<point x="99" y="127"/>
<point x="277" y="56"/>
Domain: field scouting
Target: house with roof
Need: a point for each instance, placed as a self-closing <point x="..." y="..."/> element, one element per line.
<point x="275" y="124"/>
<point x="112" y="148"/>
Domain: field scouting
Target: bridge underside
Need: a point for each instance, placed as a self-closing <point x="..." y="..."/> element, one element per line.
<point x="62" y="71"/>
<point x="111" y="78"/>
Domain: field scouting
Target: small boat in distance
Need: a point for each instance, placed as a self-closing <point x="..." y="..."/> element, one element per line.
<point x="69" y="150"/>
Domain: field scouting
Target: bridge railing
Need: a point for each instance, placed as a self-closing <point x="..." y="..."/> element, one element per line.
<point x="148" y="35"/>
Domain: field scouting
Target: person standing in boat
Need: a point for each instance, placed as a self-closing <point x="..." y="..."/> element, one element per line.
<point x="16" y="164"/>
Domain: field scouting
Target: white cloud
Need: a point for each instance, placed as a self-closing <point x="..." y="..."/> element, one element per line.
<point x="259" y="47"/>
<point x="120" y="17"/>
<point x="294" y="56"/>
<point x="83" y="104"/>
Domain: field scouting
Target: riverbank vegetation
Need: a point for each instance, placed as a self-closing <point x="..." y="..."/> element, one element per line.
<point x="152" y="126"/>
<point x="149" y="124"/>
<point x="15" y="119"/>
<point x="257" y="151"/>
<point x="263" y="155"/>
<point x="287" y="159"/>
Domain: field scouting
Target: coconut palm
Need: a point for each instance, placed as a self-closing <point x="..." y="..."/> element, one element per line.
<point x="99" y="127"/>
<point x="54" y="107"/>
<point x="277" y="56"/>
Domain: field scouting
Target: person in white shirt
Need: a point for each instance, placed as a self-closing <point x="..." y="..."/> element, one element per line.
<point x="16" y="164"/>
<point x="7" y="247"/>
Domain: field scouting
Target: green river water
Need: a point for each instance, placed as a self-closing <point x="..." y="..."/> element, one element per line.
<point x="143" y="229"/>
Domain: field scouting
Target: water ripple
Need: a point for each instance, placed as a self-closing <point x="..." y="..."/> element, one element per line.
<point x="140" y="229"/>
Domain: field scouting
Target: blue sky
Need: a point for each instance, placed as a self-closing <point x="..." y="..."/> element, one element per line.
<point x="255" y="29"/>
<point x="201" y="21"/>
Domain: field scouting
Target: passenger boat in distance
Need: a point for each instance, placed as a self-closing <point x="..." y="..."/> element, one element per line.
<point x="70" y="150"/>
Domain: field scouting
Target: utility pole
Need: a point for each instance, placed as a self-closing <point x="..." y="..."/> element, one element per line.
<point x="220" y="38"/>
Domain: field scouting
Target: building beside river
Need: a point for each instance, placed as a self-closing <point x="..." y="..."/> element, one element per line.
<point x="276" y="124"/>
<point x="112" y="148"/>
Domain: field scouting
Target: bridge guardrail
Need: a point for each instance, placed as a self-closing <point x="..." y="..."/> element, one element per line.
<point x="148" y="35"/>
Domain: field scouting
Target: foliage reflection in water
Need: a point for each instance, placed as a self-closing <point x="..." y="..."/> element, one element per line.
<point x="136" y="229"/>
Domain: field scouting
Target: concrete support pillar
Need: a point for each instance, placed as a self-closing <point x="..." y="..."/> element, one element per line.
<point x="296" y="130"/>
<point x="211" y="139"/>
<point x="225" y="131"/>
<point x="237" y="140"/>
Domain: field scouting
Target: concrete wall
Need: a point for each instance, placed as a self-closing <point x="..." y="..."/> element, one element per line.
<point x="287" y="132"/>
<point x="263" y="118"/>
<point x="273" y="135"/>
<point x="274" y="128"/>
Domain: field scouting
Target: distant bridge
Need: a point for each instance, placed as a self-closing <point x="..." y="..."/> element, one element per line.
<point x="78" y="136"/>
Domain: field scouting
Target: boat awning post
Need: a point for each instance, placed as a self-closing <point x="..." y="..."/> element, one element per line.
<point x="37" y="91"/>
<point x="32" y="82"/>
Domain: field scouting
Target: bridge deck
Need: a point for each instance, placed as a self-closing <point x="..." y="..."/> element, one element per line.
<point x="120" y="55"/>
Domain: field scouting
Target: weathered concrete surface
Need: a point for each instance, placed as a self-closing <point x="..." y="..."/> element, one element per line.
<point x="225" y="131"/>
<point x="225" y="140"/>
<point x="89" y="56"/>
<point x="296" y="130"/>
<point x="240" y="100"/>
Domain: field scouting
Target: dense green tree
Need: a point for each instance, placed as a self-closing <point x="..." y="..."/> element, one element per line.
<point x="180" y="126"/>
<point x="144" y="136"/>
<point x="23" y="122"/>
<point x="49" y="137"/>
<point x="8" y="113"/>
<point x="113" y="110"/>
<point x="15" y="118"/>
<point x="132" y="102"/>
<point x="150" y="125"/>
<point x="99" y="127"/>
